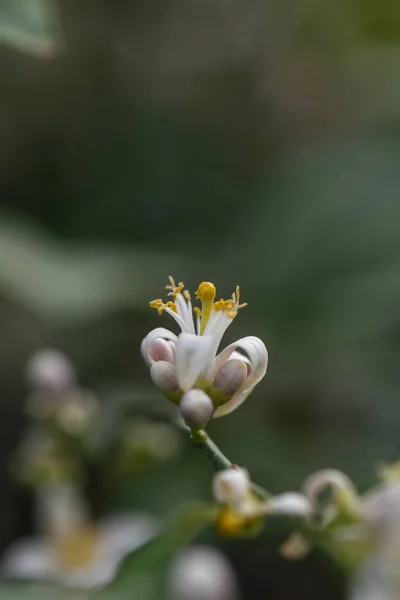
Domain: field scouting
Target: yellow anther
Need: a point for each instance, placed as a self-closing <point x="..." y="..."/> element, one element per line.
<point x="227" y="305"/>
<point x="206" y="291"/>
<point x="197" y="311"/>
<point x="172" y="306"/>
<point x="158" y="305"/>
<point x="175" y="289"/>
<point x="186" y="295"/>
<point x="230" y="306"/>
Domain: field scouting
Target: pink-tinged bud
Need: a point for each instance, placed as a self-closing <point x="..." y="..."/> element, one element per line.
<point x="196" y="408"/>
<point x="164" y="376"/>
<point x="160" y="349"/>
<point x="230" y="377"/>
<point x="51" y="370"/>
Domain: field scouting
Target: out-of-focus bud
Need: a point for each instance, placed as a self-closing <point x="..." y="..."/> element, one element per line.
<point x="231" y="486"/>
<point x="50" y="370"/>
<point x="230" y="377"/>
<point x="201" y="572"/>
<point x="164" y="376"/>
<point x="160" y="349"/>
<point x="196" y="408"/>
<point x="343" y="493"/>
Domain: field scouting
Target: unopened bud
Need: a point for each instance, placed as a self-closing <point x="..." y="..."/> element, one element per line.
<point x="196" y="408"/>
<point x="164" y="376"/>
<point x="200" y="572"/>
<point x="230" y="377"/>
<point x="160" y="349"/>
<point x="231" y="486"/>
<point x="50" y="370"/>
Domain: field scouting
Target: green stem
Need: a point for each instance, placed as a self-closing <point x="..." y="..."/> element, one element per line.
<point x="218" y="460"/>
<point x="202" y="441"/>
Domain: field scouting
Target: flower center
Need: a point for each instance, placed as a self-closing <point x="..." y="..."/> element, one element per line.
<point x="206" y="293"/>
<point x="77" y="548"/>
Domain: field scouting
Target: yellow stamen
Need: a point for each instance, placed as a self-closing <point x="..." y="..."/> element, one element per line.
<point x="186" y="295"/>
<point x="172" y="306"/>
<point x="197" y="311"/>
<point x="206" y="293"/>
<point x="175" y="289"/>
<point x="160" y="306"/>
<point x="230" y="306"/>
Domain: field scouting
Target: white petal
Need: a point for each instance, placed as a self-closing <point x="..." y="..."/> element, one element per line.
<point x="159" y="332"/>
<point x="28" y="559"/>
<point x="193" y="354"/>
<point x="120" y="534"/>
<point x="289" y="504"/>
<point x="185" y="312"/>
<point x="126" y="532"/>
<point x="258" y="357"/>
<point x="327" y="479"/>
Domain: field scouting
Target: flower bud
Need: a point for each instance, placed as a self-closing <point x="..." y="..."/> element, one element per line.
<point x="200" y="572"/>
<point x="160" y="349"/>
<point x="231" y="486"/>
<point x="164" y="376"/>
<point x="196" y="408"/>
<point x="230" y="377"/>
<point x="50" y="370"/>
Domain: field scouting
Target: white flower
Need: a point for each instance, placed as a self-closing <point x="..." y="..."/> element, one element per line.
<point x="72" y="551"/>
<point x="194" y="357"/>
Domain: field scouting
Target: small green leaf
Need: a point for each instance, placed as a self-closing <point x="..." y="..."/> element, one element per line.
<point x="143" y="568"/>
<point x="30" y="25"/>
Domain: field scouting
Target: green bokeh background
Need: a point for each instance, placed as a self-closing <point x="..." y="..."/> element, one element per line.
<point x="238" y="142"/>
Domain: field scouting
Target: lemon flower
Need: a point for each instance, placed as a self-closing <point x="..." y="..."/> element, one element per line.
<point x="72" y="550"/>
<point x="179" y="364"/>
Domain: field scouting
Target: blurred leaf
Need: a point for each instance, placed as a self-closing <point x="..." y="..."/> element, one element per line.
<point x="78" y="282"/>
<point x="30" y="25"/>
<point x="38" y="591"/>
<point x="143" y="570"/>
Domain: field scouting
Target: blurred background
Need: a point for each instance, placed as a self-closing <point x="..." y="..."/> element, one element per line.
<point x="241" y="142"/>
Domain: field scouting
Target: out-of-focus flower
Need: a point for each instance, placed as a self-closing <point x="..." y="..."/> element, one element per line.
<point x="202" y="572"/>
<point x="180" y="363"/>
<point x="378" y="577"/>
<point x="71" y="550"/>
<point x="56" y="395"/>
